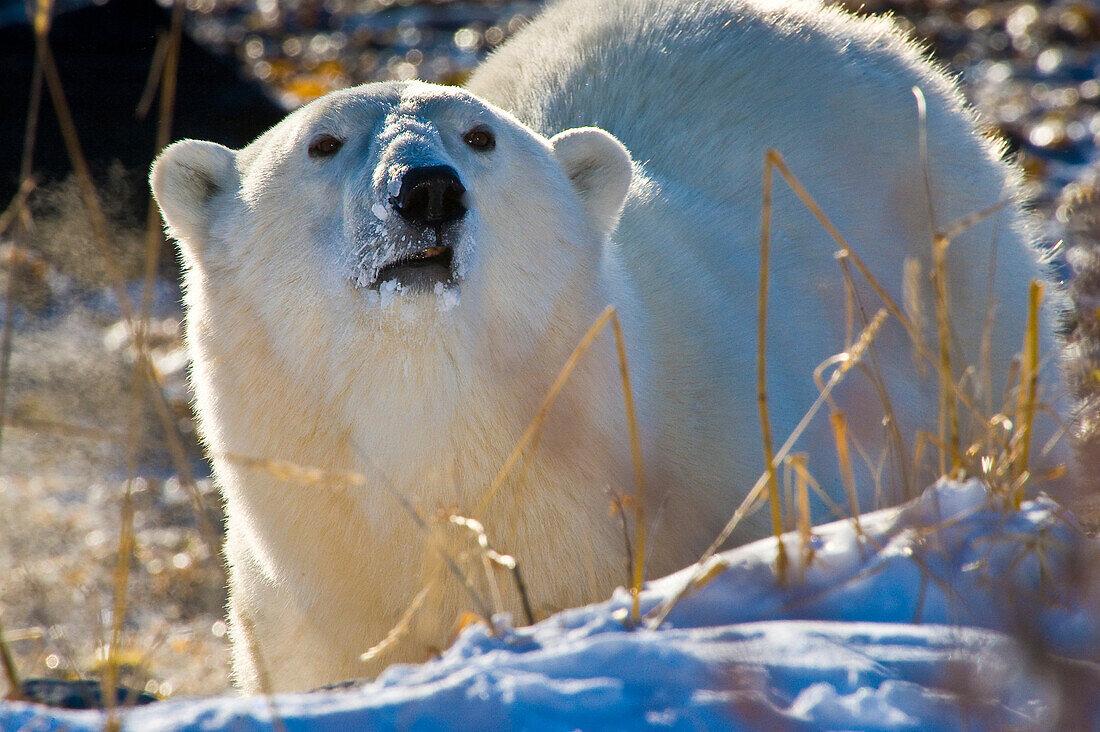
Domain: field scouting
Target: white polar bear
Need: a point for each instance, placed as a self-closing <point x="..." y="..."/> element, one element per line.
<point x="389" y="280"/>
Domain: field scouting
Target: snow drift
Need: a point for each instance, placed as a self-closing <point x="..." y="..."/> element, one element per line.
<point x="950" y="612"/>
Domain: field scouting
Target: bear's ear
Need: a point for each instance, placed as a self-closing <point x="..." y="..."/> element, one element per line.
<point x="185" y="178"/>
<point x="599" y="166"/>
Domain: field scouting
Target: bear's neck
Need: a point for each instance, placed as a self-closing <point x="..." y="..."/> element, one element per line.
<point x="453" y="406"/>
<point x="431" y="413"/>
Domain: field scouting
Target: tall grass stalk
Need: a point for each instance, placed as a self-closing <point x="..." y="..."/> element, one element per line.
<point x="17" y="210"/>
<point x="490" y="558"/>
<point x="102" y="238"/>
<point x="64" y="429"/>
<point x="949" y="411"/>
<point x="762" y="371"/>
<point x="154" y="238"/>
<point x="839" y="425"/>
<point x="1029" y="377"/>
<point x="804" y="521"/>
<point x="639" y="473"/>
<point x="955" y="394"/>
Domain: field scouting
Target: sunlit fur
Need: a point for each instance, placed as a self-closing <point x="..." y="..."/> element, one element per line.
<point x="426" y="397"/>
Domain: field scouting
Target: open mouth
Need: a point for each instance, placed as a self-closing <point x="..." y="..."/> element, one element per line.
<point x="420" y="269"/>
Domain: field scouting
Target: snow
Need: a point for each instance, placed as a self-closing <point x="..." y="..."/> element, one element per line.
<point x="934" y="615"/>
<point x="389" y="291"/>
<point x="394" y="173"/>
<point x="448" y="298"/>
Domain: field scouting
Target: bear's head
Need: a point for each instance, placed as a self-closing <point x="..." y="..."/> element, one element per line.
<point x="398" y="207"/>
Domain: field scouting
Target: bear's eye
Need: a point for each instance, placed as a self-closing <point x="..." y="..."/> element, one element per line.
<point x="325" y="146"/>
<point x="480" y="138"/>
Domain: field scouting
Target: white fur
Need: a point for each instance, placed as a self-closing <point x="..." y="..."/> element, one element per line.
<point x="426" y="394"/>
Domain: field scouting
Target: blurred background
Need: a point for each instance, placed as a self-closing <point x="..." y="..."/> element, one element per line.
<point x="97" y="445"/>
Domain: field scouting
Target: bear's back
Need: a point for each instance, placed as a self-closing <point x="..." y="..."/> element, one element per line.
<point x="721" y="79"/>
<point x="697" y="92"/>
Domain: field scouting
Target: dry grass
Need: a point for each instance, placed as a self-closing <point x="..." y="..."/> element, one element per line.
<point x="1012" y="452"/>
<point x="762" y="371"/>
<point x="146" y="381"/>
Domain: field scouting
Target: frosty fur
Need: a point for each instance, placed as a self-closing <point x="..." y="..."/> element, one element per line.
<point x="425" y="394"/>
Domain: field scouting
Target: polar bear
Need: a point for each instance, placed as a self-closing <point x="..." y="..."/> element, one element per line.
<point x="389" y="280"/>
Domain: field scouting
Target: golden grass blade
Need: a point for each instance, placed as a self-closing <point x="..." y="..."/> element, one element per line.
<point x="18" y="204"/>
<point x="399" y="630"/>
<point x="789" y="509"/>
<point x="914" y="307"/>
<point x="486" y="555"/>
<point x="154" y="230"/>
<point x="6" y="339"/>
<point x="1029" y="377"/>
<point x="41" y="16"/>
<point x="762" y="372"/>
<point x="11" y="673"/>
<point x="30" y="130"/>
<point x="972" y="219"/>
<point x="984" y="373"/>
<point x="709" y="573"/>
<point x="171" y="68"/>
<point x="174" y="442"/>
<point x="844" y="459"/>
<point x="915" y="336"/>
<point x="618" y="507"/>
<point x="492" y="557"/>
<point x="534" y="428"/>
<point x="802" y="491"/>
<point x="524" y="597"/>
<point x="295" y="473"/>
<point x="922" y="146"/>
<point x="153" y="242"/>
<point x="849" y="300"/>
<point x="808" y="201"/>
<point x="949" y="414"/>
<point x="155" y="77"/>
<point x="639" y="474"/>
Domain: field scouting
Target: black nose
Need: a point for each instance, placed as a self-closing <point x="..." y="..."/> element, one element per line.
<point x="430" y="196"/>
